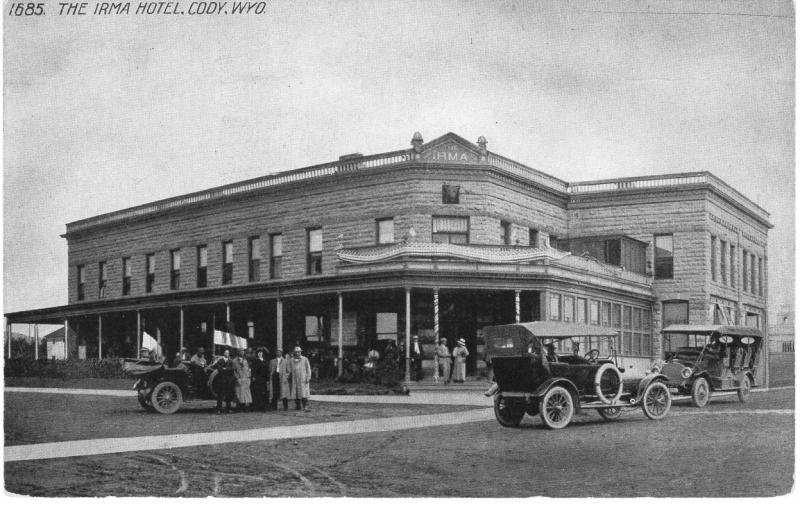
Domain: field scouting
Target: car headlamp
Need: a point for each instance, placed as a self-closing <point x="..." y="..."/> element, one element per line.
<point x="686" y="372"/>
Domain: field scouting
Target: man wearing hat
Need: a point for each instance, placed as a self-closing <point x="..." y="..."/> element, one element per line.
<point x="460" y="355"/>
<point x="275" y="372"/>
<point x="443" y="357"/>
<point x="299" y="378"/>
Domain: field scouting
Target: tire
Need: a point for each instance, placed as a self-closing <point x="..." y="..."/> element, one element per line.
<point x="556" y="408"/>
<point x="144" y="401"/>
<point x="744" y="390"/>
<point x="166" y="398"/>
<point x="656" y="401"/>
<point x="610" y="413"/>
<point x="604" y="397"/>
<point x="508" y="414"/>
<point x="700" y="392"/>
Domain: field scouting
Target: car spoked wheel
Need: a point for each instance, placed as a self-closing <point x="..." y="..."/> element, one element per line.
<point x="656" y="401"/>
<point x="610" y="413"/>
<point x="166" y="398"/>
<point x="744" y="390"/>
<point x="556" y="408"/>
<point x="508" y="413"/>
<point x="700" y="392"/>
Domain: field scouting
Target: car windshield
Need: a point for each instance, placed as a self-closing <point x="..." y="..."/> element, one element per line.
<point x="675" y="341"/>
<point x="582" y="345"/>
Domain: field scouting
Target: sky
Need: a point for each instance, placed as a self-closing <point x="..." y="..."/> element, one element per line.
<point x="107" y="112"/>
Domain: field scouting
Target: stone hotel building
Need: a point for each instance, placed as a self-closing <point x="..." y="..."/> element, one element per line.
<point x="440" y="239"/>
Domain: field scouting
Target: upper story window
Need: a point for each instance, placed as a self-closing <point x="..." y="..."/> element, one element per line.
<point x="202" y="266"/>
<point x="505" y="232"/>
<point x="102" y="279"/>
<point x="745" y="277"/>
<point x="753" y="277"/>
<point x="81" y="282"/>
<point x="276" y="256"/>
<point x="126" y="276"/>
<point x="533" y="237"/>
<point x="664" y="256"/>
<point x="175" y="269"/>
<point x="555" y="306"/>
<point x="580" y="310"/>
<point x="713" y="258"/>
<point x="761" y="277"/>
<point x="227" y="262"/>
<point x="314" y="241"/>
<point x="385" y="230"/>
<point x="723" y="262"/>
<point x="151" y="272"/>
<point x="594" y="312"/>
<point x="733" y="265"/>
<point x="451" y="229"/>
<point x="254" y="254"/>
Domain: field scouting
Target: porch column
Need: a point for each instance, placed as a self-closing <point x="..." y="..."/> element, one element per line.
<point x="66" y="341"/>
<point x="138" y="333"/>
<point x="279" y="323"/>
<point x="227" y="317"/>
<point x="8" y="337"/>
<point x="180" y="332"/>
<point x="516" y="305"/>
<point x="341" y="331"/>
<point x="408" y="334"/>
<point x="100" y="336"/>
<point x="436" y="317"/>
<point x="36" y="341"/>
<point x="158" y="339"/>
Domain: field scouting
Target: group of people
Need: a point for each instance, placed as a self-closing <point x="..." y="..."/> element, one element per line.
<point x="443" y="359"/>
<point x="251" y="380"/>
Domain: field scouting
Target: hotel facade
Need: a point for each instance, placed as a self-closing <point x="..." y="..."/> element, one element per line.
<point x="438" y="240"/>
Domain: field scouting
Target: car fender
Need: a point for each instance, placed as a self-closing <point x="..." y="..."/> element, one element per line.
<point x="564" y="382"/>
<point x="645" y="382"/>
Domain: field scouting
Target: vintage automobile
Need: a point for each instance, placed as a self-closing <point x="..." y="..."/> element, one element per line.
<point x="700" y="359"/>
<point x="164" y="389"/>
<point x="532" y="377"/>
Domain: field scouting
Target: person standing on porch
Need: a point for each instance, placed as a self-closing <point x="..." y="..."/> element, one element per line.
<point x="241" y="369"/>
<point x="460" y="355"/>
<point x="275" y="379"/>
<point x="299" y="378"/>
<point x="443" y="356"/>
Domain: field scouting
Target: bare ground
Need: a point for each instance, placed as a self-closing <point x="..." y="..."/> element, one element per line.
<point x="726" y="450"/>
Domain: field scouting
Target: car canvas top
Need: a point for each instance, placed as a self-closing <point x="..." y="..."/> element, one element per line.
<point x="731" y="330"/>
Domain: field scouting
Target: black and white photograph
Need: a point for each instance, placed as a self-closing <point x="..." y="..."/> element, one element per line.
<point x="410" y="249"/>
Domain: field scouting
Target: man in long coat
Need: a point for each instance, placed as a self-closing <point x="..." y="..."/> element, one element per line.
<point x="276" y="370"/>
<point x="443" y="356"/>
<point x="299" y="376"/>
<point x="260" y="384"/>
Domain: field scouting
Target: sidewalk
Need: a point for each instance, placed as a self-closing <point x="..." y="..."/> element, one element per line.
<point x="472" y="397"/>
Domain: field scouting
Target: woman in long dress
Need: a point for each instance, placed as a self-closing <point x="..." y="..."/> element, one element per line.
<point x="241" y="369"/>
<point x="460" y="354"/>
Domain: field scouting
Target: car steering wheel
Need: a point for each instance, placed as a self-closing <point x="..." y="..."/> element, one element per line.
<point x="592" y="355"/>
